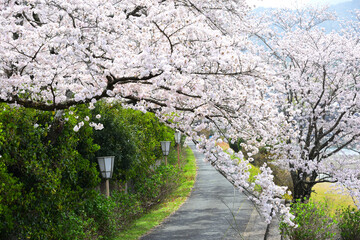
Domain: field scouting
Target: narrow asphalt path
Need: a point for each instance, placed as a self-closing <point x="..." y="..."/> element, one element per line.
<point x="214" y="210"/>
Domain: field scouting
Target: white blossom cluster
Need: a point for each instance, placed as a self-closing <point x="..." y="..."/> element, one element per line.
<point x="318" y="95"/>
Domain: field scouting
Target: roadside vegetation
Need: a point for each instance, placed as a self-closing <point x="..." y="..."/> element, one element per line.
<point x="328" y="214"/>
<point x="50" y="181"/>
<point x="169" y="205"/>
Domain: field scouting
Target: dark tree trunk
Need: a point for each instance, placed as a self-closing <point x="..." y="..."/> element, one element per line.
<point x="302" y="192"/>
<point x="303" y="185"/>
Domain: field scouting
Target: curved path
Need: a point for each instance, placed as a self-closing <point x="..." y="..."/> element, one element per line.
<point x="214" y="210"/>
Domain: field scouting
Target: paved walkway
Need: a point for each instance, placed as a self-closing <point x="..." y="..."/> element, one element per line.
<point x="214" y="210"/>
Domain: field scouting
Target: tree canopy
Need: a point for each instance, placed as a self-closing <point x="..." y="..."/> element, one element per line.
<point x="192" y="61"/>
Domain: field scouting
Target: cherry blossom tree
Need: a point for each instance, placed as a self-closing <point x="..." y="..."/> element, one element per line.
<point x="318" y="96"/>
<point x="184" y="60"/>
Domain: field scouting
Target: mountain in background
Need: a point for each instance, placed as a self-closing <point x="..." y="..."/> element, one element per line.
<point x="343" y="11"/>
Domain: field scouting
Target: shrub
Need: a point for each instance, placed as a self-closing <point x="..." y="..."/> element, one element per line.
<point x="75" y="225"/>
<point x="95" y="219"/>
<point x="153" y="187"/>
<point x="44" y="179"/>
<point x="102" y="210"/>
<point x="128" y="207"/>
<point x="148" y="131"/>
<point x="10" y="192"/>
<point x="349" y="223"/>
<point x="149" y="190"/>
<point x="115" y="139"/>
<point x="48" y="171"/>
<point x="313" y="222"/>
<point x="132" y="136"/>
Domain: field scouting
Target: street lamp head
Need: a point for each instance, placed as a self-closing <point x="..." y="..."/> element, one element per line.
<point x="106" y="165"/>
<point x="177" y="137"/>
<point x="165" y="147"/>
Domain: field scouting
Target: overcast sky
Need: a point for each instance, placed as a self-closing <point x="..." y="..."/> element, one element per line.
<point x="292" y="3"/>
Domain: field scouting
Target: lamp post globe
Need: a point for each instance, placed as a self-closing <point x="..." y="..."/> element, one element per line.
<point x="177" y="137"/>
<point x="165" y="147"/>
<point x="106" y="165"/>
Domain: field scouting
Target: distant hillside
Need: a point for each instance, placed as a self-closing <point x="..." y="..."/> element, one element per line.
<point x="342" y="10"/>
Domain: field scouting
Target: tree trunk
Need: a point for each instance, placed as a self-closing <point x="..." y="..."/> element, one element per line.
<point x="302" y="192"/>
<point x="302" y="186"/>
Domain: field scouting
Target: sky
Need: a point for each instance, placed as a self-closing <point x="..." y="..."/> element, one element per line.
<point x="292" y="3"/>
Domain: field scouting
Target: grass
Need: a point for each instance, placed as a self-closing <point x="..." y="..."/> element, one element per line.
<point x="150" y="220"/>
<point x="326" y="192"/>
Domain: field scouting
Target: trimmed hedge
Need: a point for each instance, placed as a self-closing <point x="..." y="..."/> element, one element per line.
<point x="49" y="175"/>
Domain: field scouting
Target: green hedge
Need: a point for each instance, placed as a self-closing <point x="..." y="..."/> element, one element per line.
<point x="44" y="178"/>
<point x="132" y="136"/>
<point x="49" y="172"/>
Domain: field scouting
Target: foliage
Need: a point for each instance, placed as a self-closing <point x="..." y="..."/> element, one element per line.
<point x="236" y="144"/>
<point x="48" y="170"/>
<point x="44" y="179"/>
<point x="128" y="207"/>
<point x="103" y="212"/>
<point x="132" y="136"/>
<point x="313" y="222"/>
<point x="115" y="139"/>
<point x="173" y="201"/>
<point x="149" y="191"/>
<point x="10" y="192"/>
<point x="154" y="186"/>
<point x="349" y="223"/>
<point x="94" y="219"/>
<point x="148" y="131"/>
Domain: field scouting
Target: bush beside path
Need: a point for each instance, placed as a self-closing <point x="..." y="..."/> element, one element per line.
<point x="169" y="205"/>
